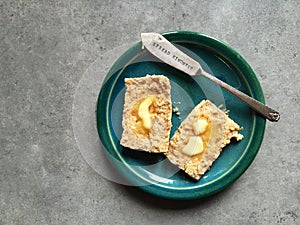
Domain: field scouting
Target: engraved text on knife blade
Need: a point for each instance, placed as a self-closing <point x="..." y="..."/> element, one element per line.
<point x="174" y="56"/>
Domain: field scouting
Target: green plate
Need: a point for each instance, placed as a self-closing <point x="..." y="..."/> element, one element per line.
<point x="153" y="173"/>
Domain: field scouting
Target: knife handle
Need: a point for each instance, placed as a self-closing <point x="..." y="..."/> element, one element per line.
<point x="259" y="107"/>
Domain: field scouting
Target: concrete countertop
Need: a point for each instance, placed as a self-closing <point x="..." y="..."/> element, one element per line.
<point x="45" y="49"/>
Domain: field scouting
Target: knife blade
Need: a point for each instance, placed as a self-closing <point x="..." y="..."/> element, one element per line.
<point x="160" y="47"/>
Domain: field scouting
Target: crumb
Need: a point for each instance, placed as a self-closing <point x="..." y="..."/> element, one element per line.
<point x="176" y="111"/>
<point x="177" y="103"/>
<point x="226" y="111"/>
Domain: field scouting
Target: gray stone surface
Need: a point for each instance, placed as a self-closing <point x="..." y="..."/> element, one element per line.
<point x="45" y="48"/>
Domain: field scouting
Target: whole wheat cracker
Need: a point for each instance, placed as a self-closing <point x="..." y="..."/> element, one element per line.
<point x="222" y="129"/>
<point x="136" y="89"/>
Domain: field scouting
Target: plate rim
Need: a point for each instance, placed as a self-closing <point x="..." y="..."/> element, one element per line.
<point x="167" y="192"/>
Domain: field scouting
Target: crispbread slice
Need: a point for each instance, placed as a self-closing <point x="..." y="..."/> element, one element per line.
<point x="156" y="139"/>
<point x="218" y="134"/>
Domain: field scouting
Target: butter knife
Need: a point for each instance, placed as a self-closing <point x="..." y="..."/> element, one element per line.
<point x="160" y="47"/>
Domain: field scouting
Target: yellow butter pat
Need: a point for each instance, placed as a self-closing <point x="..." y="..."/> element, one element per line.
<point x="200" y="126"/>
<point x="194" y="146"/>
<point x="144" y="112"/>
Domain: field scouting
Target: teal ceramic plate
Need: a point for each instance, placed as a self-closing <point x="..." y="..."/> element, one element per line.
<point x="152" y="172"/>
